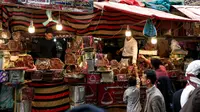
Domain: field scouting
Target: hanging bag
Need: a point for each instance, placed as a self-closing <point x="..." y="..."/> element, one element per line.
<point x="149" y="29"/>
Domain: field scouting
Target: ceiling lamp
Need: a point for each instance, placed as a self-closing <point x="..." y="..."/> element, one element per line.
<point x="154" y="40"/>
<point x="128" y="32"/>
<point x="59" y="25"/>
<point x="31" y="28"/>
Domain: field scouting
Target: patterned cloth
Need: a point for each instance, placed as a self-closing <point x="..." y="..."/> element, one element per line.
<point x="50" y="97"/>
<point x="6" y="97"/>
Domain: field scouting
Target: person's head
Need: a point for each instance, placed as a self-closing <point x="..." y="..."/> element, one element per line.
<point x="148" y="78"/>
<point x="49" y="34"/>
<point x="86" y="108"/>
<point x="155" y="62"/>
<point x="132" y="81"/>
<point x="128" y="38"/>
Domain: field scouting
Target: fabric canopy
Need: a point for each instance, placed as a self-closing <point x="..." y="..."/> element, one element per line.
<point x="108" y="20"/>
<point x="139" y="11"/>
<point x="192" y="12"/>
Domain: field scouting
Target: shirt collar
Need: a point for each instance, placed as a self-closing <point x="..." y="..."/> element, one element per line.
<point x="150" y="89"/>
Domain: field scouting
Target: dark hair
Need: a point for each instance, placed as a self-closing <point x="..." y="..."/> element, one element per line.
<point x="49" y="30"/>
<point x="132" y="81"/>
<point x="156" y="63"/>
<point x="151" y="74"/>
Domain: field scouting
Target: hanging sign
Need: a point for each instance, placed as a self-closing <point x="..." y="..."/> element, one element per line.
<point x="85" y="6"/>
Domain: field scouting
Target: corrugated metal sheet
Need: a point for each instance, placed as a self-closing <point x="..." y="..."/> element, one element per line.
<point x="192" y="12"/>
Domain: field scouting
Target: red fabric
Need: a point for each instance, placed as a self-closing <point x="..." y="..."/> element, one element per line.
<point x="161" y="72"/>
<point x="50" y="96"/>
<point x="131" y="2"/>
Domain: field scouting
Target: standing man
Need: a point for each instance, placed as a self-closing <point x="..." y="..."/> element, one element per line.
<point x="155" y="100"/>
<point x="129" y="51"/>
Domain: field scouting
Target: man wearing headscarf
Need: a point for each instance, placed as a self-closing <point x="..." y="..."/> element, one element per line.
<point x="193" y="81"/>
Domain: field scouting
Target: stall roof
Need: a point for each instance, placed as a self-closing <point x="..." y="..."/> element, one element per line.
<point x="192" y="12"/>
<point x="140" y="11"/>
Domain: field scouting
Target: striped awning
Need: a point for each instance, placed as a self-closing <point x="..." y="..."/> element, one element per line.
<point x="108" y="20"/>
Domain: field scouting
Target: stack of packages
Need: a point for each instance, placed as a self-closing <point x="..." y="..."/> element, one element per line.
<point x="12" y="77"/>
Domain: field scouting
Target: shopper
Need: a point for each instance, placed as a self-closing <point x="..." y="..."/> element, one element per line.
<point x="132" y="96"/>
<point x="155" y="100"/>
<point x="192" y="75"/>
<point x="157" y="66"/>
<point x="193" y="103"/>
<point x="86" y="108"/>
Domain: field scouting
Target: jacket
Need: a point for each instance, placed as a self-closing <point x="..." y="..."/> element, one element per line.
<point x="132" y="98"/>
<point x="155" y="101"/>
<point x="176" y="100"/>
<point x="166" y="88"/>
<point x="192" y="104"/>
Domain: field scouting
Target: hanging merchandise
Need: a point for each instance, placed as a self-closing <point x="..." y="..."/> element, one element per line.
<point x="16" y="76"/>
<point x="6" y="97"/>
<point x="149" y="29"/>
<point x="3" y="76"/>
<point x="88" y="42"/>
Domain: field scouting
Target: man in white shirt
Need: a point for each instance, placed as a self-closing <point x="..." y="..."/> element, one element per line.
<point x="129" y="51"/>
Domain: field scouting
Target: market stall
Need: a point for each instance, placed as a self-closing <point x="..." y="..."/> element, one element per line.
<point x="80" y="72"/>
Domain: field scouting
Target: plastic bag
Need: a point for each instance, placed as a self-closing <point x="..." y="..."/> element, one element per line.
<point x="149" y="29"/>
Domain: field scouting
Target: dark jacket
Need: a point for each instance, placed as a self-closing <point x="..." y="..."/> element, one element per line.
<point x="176" y="100"/>
<point x="165" y="86"/>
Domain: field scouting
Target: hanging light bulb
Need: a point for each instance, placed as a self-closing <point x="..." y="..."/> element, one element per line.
<point x="54" y="40"/>
<point x="154" y="40"/>
<point x="31" y="28"/>
<point x="59" y="26"/>
<point x="128" y="32"/>
<point x="64" y="39"/>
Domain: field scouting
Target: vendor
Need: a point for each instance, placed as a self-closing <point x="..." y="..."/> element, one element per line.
<point x="129" y="51"/>
<point x="46" y="47"/>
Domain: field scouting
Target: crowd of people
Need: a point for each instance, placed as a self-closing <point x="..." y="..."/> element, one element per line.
<point x="160" y="94"/>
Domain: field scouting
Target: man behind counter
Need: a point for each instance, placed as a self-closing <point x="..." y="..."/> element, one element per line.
<point x="44" y="47"/>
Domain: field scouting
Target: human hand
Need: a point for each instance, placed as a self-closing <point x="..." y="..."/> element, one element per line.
<point x="118" y="52"/>
<point x="141" y="56"/>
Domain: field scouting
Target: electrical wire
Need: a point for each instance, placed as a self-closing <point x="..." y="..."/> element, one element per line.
<point x="129" y="25"/>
